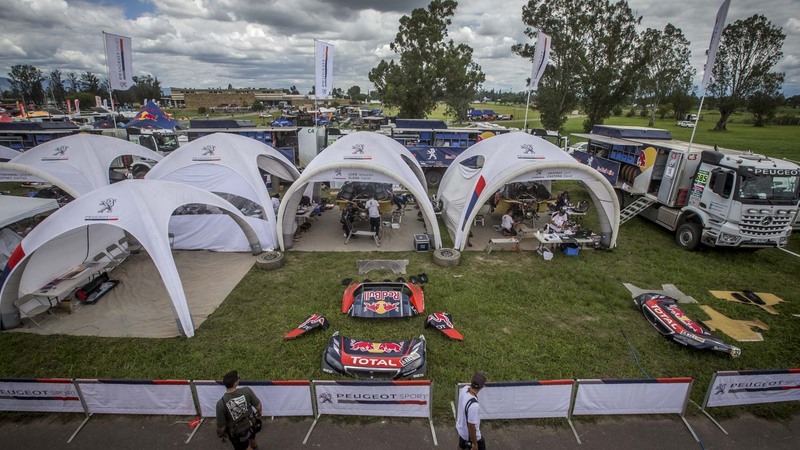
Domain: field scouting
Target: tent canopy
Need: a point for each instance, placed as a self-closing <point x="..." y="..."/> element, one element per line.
<point x="152" y="117"/>
<point x="7" y="154"/>
<point x="364" y="157"/>
<point x="78" y="164"/>
<point x="512" y="158"/>
<point x="13" y="209"/>
<point x="229" y="165"/>
<point x="74" y="234"/>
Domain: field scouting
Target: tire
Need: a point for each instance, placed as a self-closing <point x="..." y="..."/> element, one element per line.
<point x="688" y="236"/>
<point x="433" y="177"/>
<point x="269" y="260"/>
<point x="446" y="257"/>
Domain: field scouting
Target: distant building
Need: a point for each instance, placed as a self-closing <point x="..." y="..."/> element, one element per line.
<point x="233" y="98"/>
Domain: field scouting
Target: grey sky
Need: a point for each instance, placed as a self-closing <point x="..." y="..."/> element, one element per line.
<point x="270" y="43"/>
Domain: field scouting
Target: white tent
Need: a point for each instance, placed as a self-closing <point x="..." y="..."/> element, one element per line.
<point x="81" y="229"/>
<point x="77" y="164"/>
<point x="13" y="209"/>
<point x="363" y="157"/>
<point x="228" y="165"/>
<point x="7" y="154"/>
<point x="512" y="158"/>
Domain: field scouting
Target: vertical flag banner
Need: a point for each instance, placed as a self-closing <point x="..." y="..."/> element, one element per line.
<point x="118" y="59"/>
<point x="541" y="55"/>
<point x="722" y="14"/>
<point x="323" y="54"/>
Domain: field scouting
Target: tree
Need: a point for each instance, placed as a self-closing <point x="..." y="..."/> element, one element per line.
<point x="56" y="83"/>
<point x="27" y="82"/>
<point x="354" y="92"/>
<point x="763" y="105"/>
<point x="681" y="103"/>
<point x="462" y="77"/>
<point x="74" y="83"/>
<point x="146" y="86"/>
<point x="748" y="51"/>
<point x="337" y="93"/>
<point x="90" y="83"/>
<point x="668" y="69"/>
<point x="594" y="53"/>
<point x="416" y="81"/>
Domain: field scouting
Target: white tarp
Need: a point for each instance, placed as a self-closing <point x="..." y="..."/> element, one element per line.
<point x="70" y="236"/>
<point x="362" y="156"/>
<point x="224" y="163"/>
<point x="77" y="164"/>
<point x="511" y="158"/>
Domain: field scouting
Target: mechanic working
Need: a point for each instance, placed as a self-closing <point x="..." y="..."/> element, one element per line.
<point x="559" y="221"/>
<point x="468" y="418"/>
<point x="373" y="208"/>
<point x="507" y="224"/>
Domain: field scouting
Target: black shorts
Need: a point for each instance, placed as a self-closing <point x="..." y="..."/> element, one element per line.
<point x="463" y="443"/>
<point x="241" y="443"/>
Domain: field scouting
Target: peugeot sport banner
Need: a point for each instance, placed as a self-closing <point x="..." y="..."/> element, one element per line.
<point x="541" y="55"/>
<point x="323" y="69"/>
<point x="748" y="387"/>
<point x="722" y="14"/>
<point x="118" y="58"/>
<point x="39" y="395"/>
<point x="374" y="398"/>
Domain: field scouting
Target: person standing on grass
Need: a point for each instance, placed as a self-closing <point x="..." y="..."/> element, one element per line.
<point x="468" y="416"/>
<point x="235" y="418"/>
<point x="373" y="208"/>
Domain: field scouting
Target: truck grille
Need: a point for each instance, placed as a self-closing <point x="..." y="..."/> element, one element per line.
<point x="763" y="225"/>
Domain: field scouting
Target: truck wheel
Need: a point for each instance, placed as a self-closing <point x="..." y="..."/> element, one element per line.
<point x="446" y="257"/>
<point x="688" y="236"/>
<point x="433" y="177"/>
<point x="269" y="260"/>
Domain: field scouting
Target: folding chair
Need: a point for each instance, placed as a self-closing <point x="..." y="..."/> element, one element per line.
<point x="33" y="307"/>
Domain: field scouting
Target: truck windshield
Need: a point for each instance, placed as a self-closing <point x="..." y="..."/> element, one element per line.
<point x="766" y="187"/>
<point x="167" y="143"/>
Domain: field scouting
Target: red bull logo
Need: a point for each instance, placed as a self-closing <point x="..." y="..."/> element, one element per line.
<point x="381" y="295"/>
<point x="381" y="307"/>
<point x="376" y="347"/>
<point x="144" y="115"/>
<point x="441" y="318"/>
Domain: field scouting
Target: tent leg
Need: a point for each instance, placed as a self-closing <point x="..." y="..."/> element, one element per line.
<point x="310" y="430"/>
<point x="88" y="416"/>
<point x="574" y="432"/>
<point x="195" y="429"/>
<point x="433" y="432"/>
<point x="685" y="422"/>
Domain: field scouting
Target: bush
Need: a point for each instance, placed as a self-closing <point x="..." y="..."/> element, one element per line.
<point x="202" y="110"/>
<point x="617" y="111"/>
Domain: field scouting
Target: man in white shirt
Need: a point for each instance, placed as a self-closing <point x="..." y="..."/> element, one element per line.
<point x="373" y="209"/>
<point x="507" y="224"/>
<point x="558" y="221"/>
<point x="468" y="417"/>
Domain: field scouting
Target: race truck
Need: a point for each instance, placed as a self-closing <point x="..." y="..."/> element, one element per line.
<point x="707" y="195"/>
<point x="161" y="141"/>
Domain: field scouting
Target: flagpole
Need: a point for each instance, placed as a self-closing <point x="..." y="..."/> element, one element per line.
<point x="108" y="77"/>
<point x="316" y="94"/>
<point x="696" y="119"/>
<point x="527" y="103"/>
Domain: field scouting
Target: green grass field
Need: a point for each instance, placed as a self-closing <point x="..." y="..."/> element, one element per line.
<point x="523" y="318"/>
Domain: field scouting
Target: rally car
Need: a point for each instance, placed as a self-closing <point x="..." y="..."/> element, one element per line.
<point x="383" y="299"/>
<point x="368" y="359"/>
<point x="663" y="313"/>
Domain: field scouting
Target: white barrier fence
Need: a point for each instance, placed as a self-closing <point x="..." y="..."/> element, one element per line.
<point x="374" y="398"/>
<point x="159" y="397"/>
<point x="750" y="387"/>
<point x="633" y="396"/>
<point x="523" y="400"/>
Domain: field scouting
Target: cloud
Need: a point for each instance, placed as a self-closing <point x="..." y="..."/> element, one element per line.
<point x="270" y="43"/>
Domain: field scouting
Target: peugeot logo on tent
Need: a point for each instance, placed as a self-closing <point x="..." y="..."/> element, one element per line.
<point x="107" y="205"/>
<point x="60" y="150"/>
<point x="208" y="150"/>
<point x="358" y="149"/>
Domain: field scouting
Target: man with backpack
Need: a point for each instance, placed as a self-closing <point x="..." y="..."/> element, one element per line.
<point x="235" y="417"/>
<point x="468" y="419"/>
